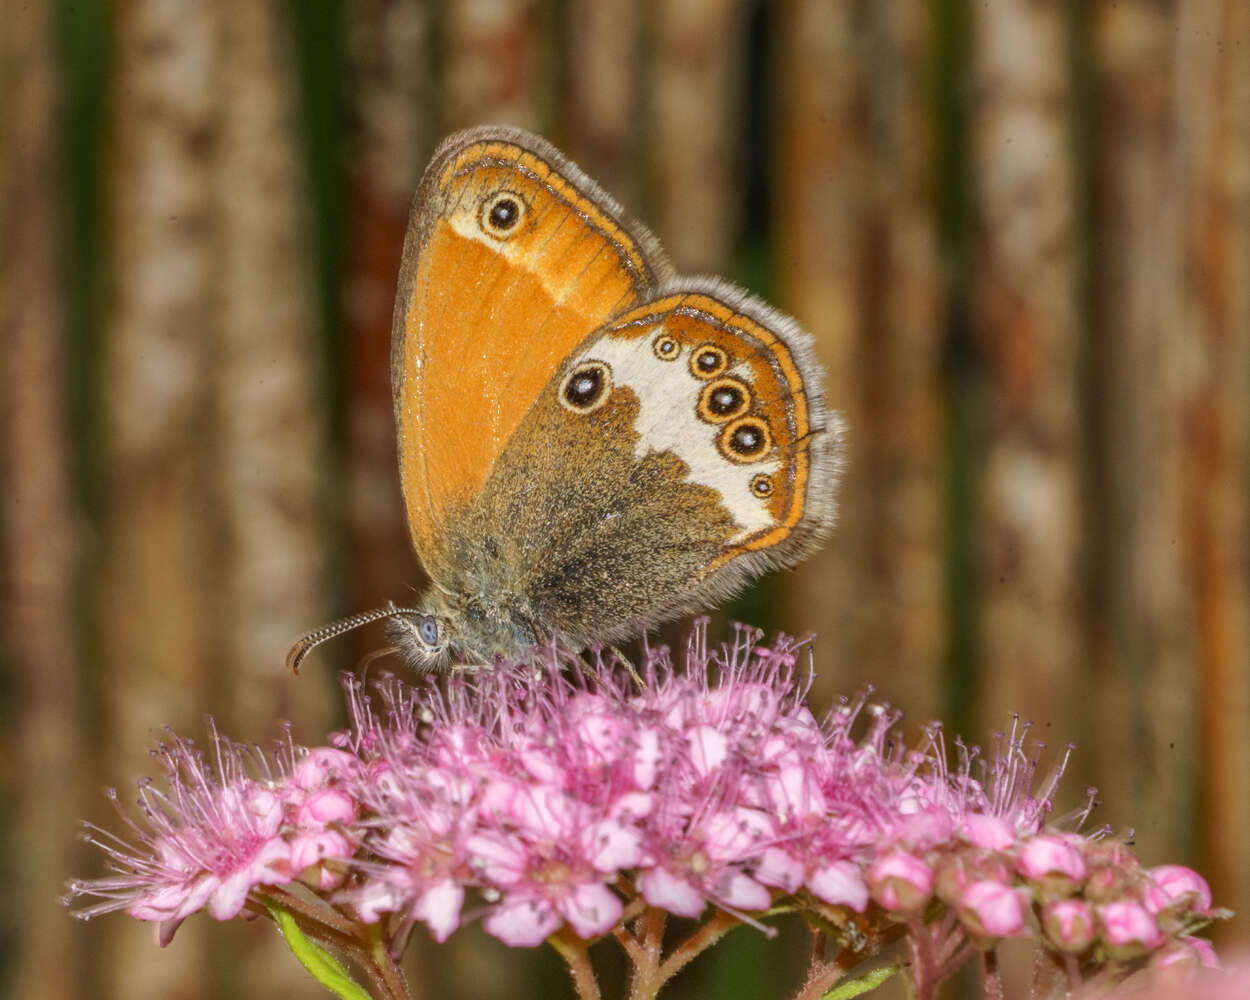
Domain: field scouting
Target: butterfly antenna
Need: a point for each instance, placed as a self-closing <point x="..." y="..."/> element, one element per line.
<point x="309" y="641"/>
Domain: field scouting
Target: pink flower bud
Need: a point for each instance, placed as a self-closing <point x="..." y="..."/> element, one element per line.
<point x="321" y="764"/>
<point x="1180" y="886"/>
<point x="900" y="882"/>
<point x="955" y="872"/>
<point x="1128" y="928"/>
<point x="990" y="909"/>
<point x="992" y="833"/>
<point x="329" y="805"/>
<point x="1068" y="924"/>
<point x="1053" y="864"/>
<point x="311" y="849"/>
<point x="1047" y="855"/>
<point x="1187" y="951"/>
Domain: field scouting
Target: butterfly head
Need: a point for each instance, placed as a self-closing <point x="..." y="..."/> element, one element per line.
<point x="449" y="629"/>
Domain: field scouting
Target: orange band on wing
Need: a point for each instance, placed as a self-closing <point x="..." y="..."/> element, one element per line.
<point x="709" y="309"/>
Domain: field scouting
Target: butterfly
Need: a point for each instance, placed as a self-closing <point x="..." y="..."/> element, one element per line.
<point x="588" y="443"/>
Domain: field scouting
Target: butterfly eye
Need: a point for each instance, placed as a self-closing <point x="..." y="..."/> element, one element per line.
<point x="427" y="627"/>
<point x="500" y="214"/>
<point x="762" y="486"/>
<point x="586" y="387"/>
<point x="708" y="361"/>
<point x="745" y="440"/>
<point x="666" y="348"/>
<point x="723" y="400"/>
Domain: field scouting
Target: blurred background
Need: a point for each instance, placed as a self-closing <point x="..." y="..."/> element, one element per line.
<point x="1020" y="231"/>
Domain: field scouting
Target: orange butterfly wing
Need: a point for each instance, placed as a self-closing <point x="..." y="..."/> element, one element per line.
<point x="512" y="257"/>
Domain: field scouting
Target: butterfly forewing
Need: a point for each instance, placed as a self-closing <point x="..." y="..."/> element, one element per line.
<point x="511" y="257"/>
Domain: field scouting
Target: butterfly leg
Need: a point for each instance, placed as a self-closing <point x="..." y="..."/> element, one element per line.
<point x="628" y="664"/>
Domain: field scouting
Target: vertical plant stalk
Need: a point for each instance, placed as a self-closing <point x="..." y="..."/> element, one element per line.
<point x="1214" y="120"/>
<point x="269" y="455"/>
<point x="493" y="57"/>
<point x="818" y="183"/>
<point x="1023" y="307"/>
<point x="159" y="556"/>
<point x="41" y="542"/>
<point x="607" y="63"/>
<point x="697" y="49"/>
<point x="1144" y="638"/>
<point x="388" y="48"/>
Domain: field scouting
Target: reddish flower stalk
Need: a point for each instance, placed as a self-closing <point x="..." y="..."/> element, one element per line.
<point x="573" y="799"/>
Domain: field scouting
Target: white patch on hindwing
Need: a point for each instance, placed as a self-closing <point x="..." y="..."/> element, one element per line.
<point x="668" y="421"/>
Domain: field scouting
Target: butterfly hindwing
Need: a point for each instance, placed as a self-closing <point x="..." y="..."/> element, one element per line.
<point x="680" y="449"/>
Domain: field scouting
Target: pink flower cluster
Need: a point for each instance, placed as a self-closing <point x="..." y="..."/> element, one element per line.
<point x="222" y="828"/>
<point x="558" y="793"/>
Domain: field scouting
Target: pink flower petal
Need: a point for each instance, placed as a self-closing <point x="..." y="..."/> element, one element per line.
<point x="440" y="907"/>
<point x="841" y="884"/>
<point x="612" y="846"/>
<point x="646" y="758"/>
<point x="744" y="893"/>
<point x="662" y="888"/>
<point x="499" y="859"/>
<point x="732" y="833"/>
<point x="312" y="848"/>
<point x="591" y="909"/>
<point x="708" y="748"/>
<point x="778" y="868"/>
<point x="230" y="895"/>
<point x="375" y="898"/>
<point x="522" y="923"/>
<point x="600" y="734"/>
<point x="322" y="764"/>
